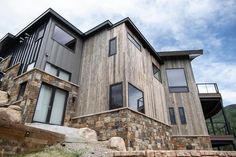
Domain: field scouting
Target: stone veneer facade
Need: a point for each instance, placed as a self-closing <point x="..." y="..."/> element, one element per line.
<point x="139" y="131"/>
<point x="35" y="78"/>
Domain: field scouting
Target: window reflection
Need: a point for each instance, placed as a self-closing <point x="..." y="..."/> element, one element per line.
<point x="136" y="100"/>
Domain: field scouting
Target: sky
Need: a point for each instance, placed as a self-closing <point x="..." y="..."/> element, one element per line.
<point x="167" y="24"/>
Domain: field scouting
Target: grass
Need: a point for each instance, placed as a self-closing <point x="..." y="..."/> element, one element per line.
<point x="53" y="152"/>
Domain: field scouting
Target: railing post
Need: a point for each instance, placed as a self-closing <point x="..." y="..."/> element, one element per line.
<point x="225" y="118"/>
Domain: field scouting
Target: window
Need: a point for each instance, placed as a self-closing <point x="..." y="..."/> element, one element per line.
<point x="116" y="96"/>
<point x="30" y="66"/>
<point x="177" y="80"/>
<point x="156" y="72"/>
<point x="182" y="115"/>
<point x="64" y="38"/>
<point x="22" y="90"/>
<point x="134" y="41"/>
<point x="112" y="46"/>
<point x="56" y="71"/>
<point x="136" y="100"/>
<point x="51" y="103"/>
<point x="172" y="116"/>
<point x="40" y="33"/>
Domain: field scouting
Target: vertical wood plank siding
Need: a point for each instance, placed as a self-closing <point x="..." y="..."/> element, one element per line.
<point x="189" y="100"/>
<point x="26" y="52"/>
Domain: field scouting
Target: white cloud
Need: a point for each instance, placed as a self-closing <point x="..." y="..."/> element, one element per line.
<point x="168" y="25"/>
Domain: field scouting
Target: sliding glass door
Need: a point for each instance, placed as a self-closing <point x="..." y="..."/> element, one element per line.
<point x="50" y="107"/>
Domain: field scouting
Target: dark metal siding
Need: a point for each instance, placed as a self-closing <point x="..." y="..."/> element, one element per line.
<point x="26" y="52"/>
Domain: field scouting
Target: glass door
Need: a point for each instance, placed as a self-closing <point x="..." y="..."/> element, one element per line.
<point x="50" y="107"/>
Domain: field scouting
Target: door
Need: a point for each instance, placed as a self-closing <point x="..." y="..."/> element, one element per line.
<point x="50" y="107"/>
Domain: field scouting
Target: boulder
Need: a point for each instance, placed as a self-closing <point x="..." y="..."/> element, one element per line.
<point x="3" y="98"/>
<point x="15" y="107"/>
<point x="117" y="143"/>
<point x="86" y="134"/>
<point x="10" y="115"/>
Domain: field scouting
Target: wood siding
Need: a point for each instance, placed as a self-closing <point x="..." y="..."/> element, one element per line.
<point x="189" y="100"/>
<point x="58" y="55"/>
<point x="129" y="65"/>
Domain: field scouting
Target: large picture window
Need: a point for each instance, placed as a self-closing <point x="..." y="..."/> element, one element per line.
<point x="56" y="71"/>
<point x="177" y="80"/>
<point x="136" y="99"/>
<point x="64" y="38"/>
<point x="116" y="96"/>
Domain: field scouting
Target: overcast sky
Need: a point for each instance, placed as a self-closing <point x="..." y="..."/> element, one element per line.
<point x="167" y="24"/>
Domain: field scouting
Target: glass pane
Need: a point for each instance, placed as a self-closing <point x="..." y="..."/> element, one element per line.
<point x="156" y="72"/>
<point x="64" y="38"/>
<point x="43" y="104"/>
<point x="40" y="33"/>
<point x="112" y="46"/>
<point x="172" y="115"/>
<point x="64" y="75"/>
<point x="182" y="115"/>
<point x="116" y="99"/>
<point x="58" y="107"/>
<point x="136" y="44"/>
<point x="51" y="69"/>
<point x="30" y="66"/>
<point x="136" y="101"/>
<point x="176" y="77"/>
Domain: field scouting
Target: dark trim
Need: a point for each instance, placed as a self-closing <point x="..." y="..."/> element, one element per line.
<point x="58" y="70"/>
<point x="134" y="41"/>
<point x="172" y="87"/>
<point x="22" y="88"/>
<point x="183" y="119"/>
<point x="54" y="88"/>
<point x="142" y="94"/>
<point x="43" y="28"/>
<point x="115" y="38"/>
<point x="172" y="117"/>
<point x="121" y="83"/>
<point x="153" y="65"/>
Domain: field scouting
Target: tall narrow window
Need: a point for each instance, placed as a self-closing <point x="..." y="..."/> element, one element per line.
<point x="116" y="96"/>
<point x="64" y="38"/>
<point x="22" y="90"/>
<point x="172" y="116"/>
<point x="182" y="115"/>
<point x="40" y="33"/>
<point x="134" y="41"/>
<point x="156" y="72"/>
<point x="177" y="80"/>
<point x="136" y="99"/>
<point x="112" y="46"/>
<point x="56" y="71"/>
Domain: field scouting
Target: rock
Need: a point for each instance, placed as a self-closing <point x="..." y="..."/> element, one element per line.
<point x="15" y="107"/>
<point x="10" y="115"/>
<point x="3" y="98"/>
<point x="87" y="134"/>
<point x="117" y="143"/>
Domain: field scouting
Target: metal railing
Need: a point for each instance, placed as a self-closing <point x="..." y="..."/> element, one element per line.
<point x="207" y="88"/>
<point x="217" y="128"/>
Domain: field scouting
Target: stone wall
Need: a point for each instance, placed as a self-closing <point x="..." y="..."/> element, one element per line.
<point x="191" y="142"/>
<point x="5" y="63"/>
<point x="138" y="131"/>
<point x="176" y="153"/>
<point x="35" y="78"/>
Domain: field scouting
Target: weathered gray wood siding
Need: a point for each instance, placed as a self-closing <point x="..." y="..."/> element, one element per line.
<point x="190" y="100"/>
<point x="129" y="65"/>
<point x="58" y="55"/>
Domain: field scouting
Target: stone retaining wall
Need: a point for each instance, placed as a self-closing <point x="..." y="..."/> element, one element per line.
<point x="139" y="131"/>
<point x="178" y="153"/>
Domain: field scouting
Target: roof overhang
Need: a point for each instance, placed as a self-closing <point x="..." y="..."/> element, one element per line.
<point x="191" y="54"/>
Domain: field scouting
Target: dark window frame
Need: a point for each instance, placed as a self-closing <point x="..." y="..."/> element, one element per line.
<point x="110" y="96"/>
<point x="115" y="38"/>
<point x="21" y="91"/>
<point x="41" y="28"/>
<point x="181" y="89"/>
<point x="172" y="116"/>
<point x="54" y="88"/>
<point x="183" y="119"/>
<point x="142" y="94"/>
<point x="134" y="42"/>
<point x="58" y="71"/>
<point x="52" y="37"/>
<point x="158" y="70"/>
<point x="26" y="67"/>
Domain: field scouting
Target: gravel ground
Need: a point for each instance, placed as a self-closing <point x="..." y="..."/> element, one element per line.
<point x="96" y="149"/>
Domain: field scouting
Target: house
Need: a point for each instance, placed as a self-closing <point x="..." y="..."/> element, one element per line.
<point x="112" y="80"/>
